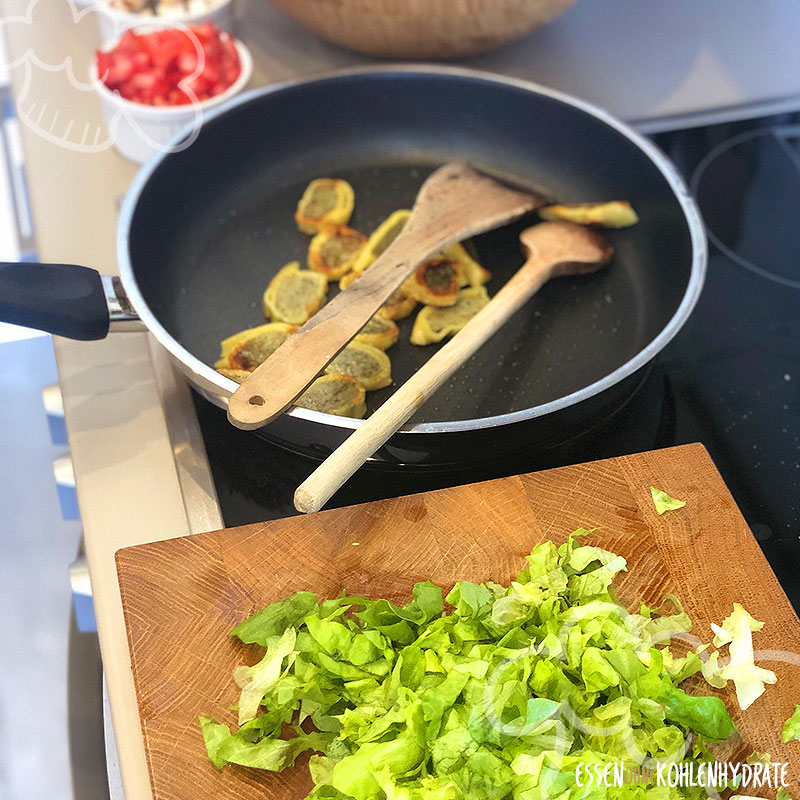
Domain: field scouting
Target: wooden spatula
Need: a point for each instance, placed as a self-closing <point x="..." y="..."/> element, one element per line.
<point x="553" y="249"/>
<point x="454" y="203"/>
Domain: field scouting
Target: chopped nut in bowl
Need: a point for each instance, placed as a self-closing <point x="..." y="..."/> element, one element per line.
<point x="114" y="16"/>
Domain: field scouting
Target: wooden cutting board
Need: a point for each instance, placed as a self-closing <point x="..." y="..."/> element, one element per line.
<point x="182" y="596"/>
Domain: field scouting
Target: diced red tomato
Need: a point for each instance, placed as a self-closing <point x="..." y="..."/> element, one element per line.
<point x="171" y="66"/>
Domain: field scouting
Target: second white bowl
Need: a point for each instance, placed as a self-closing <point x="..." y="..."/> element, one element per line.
<point x="112" y="22"/>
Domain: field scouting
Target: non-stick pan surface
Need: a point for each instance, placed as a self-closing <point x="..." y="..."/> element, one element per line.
<point x="212" y="224"/>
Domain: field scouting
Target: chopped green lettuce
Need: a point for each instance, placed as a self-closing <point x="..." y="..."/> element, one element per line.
<point x="663" y="502"/>
<point x="736" y="631"/>
<point x="791" y="728"/>
<point x="259" y="679"/>
<point x="223" y="747"/>
<point x="501" y="694"/>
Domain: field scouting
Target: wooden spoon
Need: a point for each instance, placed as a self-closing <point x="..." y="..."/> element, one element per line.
<point x="454" y="203"/>
<point x="553" y="249"/>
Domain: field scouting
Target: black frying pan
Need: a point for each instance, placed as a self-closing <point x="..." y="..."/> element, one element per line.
<point x="203" y="230"/>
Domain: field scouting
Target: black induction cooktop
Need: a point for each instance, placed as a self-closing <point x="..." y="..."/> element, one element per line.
<point x="730" y="379"/>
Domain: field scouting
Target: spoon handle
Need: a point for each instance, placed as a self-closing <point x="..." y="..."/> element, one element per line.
<point x="340" y="465"/>
<point x="275" y="384"/>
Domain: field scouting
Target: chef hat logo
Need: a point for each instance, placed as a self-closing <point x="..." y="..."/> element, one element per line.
<point x="62" y="78"/>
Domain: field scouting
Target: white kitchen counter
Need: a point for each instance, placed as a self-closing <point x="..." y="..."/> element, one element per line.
<point x="662" y="64"/>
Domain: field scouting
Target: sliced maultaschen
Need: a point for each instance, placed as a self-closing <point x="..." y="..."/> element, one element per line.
<point x="379" y="332"/>
<point x="368" y="365"/>
<point x="435" y="283"/>
<point x="295" y="294"/>
<point x="434" y="324"/>
<point x="381" y="238"/>
<point x="614" y="214"/>
<point x="397" y="307"/>
<point x="326" y="201"/>
<point x="247" y="349"/>
<point x="333" y="251"/>
<point x="335" y="393"/>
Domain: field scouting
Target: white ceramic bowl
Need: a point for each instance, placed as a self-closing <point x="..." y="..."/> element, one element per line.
<point x="140" y="130"/>
<point x="112" y="22"/>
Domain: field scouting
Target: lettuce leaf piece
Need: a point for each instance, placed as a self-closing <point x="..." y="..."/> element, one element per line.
<point x="704" y="715"/>
<point x="440" y="698"/>
<point x="736" y="631"/>
<point x="273" y="755"/>
<point x="470" y="599"/>
<point x="791" y="728"/>
<point x="341" y="643"/>
<point x="400" y="624"/>
<point x="663" y="502"/>
<point x="522" y="600"/>
<point x="598" y="675"/>
<point x="484" y="775"/>
<point x="660" y="625"/>
<point x="680" y="669"/>
<point x="275" y="619"/>
<point x="354" y="775"/>
<point x="626" y="663"/>
<point x="259" y="679"/>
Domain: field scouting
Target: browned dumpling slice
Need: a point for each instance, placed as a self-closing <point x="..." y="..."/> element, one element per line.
<point x="614" y="214"/>
<point x="335" y="393"/>
<point x="435" y="283"/>
<point x="326" y="201"/>
<point x="237" y="375"/>
<point x="295" y="294"/>
<point x="397" y="307"/>
<point x="379" y="332"/>
<point x="434" y="324"/>
<point x="471" y="273"/>
<point x="247" y="349"/>
<point x="334" y="249"/>
<point x="368" y="365"/>
<point x="347" y="279"/>
<point x="381" y="238"/>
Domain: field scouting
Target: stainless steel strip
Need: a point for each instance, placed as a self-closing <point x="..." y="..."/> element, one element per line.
<point x="717" y="116"/>
<point x="115" y="790"/>
<point x="194" y="472"/>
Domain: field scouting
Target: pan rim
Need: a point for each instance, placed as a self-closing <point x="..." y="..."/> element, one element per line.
<point x="208" y="374"/>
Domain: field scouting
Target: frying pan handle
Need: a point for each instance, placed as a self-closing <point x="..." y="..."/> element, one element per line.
<point x="62" y="299"/>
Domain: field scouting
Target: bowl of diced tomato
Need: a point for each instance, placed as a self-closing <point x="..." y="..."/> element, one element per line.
<point x="156" y="80"/>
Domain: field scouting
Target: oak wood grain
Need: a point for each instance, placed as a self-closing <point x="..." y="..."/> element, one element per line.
<point x="181" y="597"/>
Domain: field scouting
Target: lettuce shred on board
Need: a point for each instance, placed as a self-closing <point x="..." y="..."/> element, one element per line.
<point x="791" y="728"/>
<point x="736" y="631"/>
<point x="500" y="694"/>
<point x="663" y="502"/>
